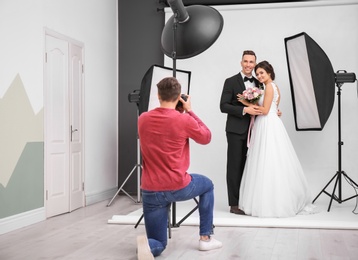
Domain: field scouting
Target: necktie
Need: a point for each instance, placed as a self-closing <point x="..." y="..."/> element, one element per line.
<point x="248" y="79"/>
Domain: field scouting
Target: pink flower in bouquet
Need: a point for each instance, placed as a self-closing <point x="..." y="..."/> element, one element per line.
<point x="252" y="94"/>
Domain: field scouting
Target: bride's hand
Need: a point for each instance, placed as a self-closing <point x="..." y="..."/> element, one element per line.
<point x="241" y="99"/>
<point x="279" y="113"/>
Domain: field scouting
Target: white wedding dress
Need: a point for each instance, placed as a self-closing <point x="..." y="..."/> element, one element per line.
<point x="273" y="182"/>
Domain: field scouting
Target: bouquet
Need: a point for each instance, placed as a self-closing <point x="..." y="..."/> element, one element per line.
<point x="252" y="94"/>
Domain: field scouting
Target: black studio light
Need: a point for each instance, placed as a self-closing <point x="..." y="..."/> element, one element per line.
<point x="188" y="32"/>
<point x="312" y="82"/>
<point x="191" y="30"/>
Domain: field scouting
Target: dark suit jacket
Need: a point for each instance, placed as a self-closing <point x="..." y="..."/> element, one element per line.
<point x="236" y="122"/>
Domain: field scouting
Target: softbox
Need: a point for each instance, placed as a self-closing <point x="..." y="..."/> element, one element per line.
<point x="148" y="90"/>
<point x="312" y="81"/>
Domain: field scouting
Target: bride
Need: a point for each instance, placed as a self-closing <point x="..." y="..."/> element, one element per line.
<point x="273" y="183"/>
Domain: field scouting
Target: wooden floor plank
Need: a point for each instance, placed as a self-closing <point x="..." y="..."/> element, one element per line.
<point x="309" y="245"/>
<point x="85" y="234"/>
<point x="333" y="245"/>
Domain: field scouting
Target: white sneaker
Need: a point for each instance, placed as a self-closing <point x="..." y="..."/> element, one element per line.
<point x="212" y="243"/>
<point x="143" y="249"/>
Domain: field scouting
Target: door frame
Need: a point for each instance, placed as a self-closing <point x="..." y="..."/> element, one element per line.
<point x="49" y="32"/>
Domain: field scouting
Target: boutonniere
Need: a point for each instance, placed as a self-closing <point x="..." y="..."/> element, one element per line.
<point x="261" y="86"/>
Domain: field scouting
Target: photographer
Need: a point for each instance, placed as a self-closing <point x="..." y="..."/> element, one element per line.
<point x="164" y="134"/>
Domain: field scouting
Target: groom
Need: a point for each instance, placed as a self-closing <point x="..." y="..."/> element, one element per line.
<point x="237" y="125"/>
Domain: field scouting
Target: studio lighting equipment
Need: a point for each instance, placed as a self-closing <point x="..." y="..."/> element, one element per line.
<point x="312" y="81"/>
<point x="134" y="96"/>
<point x="191" y="30"/>
<point x="149" y="91"/>
<point x="147" y="99"/>
<point x="188" y="32"/>
<point x="343" y="77"/>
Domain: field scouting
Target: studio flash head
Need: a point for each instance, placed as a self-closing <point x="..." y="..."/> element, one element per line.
<point x="134" y="97"/>
<point x="343" y="77"/>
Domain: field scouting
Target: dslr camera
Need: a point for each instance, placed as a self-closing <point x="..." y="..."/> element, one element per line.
<point x="179" y="106"/>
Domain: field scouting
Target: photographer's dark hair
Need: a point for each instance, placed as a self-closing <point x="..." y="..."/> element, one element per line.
<point x="267" y="67"/>
<point x="169" y="89"/>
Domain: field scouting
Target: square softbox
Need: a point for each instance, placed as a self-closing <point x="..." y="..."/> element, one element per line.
<point x="149" y="92"/>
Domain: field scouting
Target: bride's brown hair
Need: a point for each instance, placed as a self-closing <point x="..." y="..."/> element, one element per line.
<point x="267" y="67"/>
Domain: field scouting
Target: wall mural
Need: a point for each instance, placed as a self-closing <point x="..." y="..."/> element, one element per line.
<point x="21" y="149"/>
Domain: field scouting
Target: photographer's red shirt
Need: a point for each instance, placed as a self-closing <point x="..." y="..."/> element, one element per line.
<point x="164" y="138"/>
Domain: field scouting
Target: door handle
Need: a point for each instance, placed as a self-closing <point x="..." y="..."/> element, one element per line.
<point x="72" y="131"/>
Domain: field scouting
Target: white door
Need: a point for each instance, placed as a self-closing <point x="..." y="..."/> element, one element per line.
<point x="76" y="126"/>
<point x="63" y="126"/>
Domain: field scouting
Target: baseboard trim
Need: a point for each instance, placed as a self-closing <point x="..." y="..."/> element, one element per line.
<point x="100" y="196"/>
<point x="24" y="219"/>
<point x="21" y="220"/>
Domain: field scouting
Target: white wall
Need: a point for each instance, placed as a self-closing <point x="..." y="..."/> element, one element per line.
<point x="333" y="25"/>
<point x="94" y="23"/>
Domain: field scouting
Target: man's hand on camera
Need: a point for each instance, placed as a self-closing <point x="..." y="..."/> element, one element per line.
<point x="186" y="104"/>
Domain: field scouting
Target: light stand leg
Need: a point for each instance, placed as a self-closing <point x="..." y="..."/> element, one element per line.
<point x="338" y="175"/>
<point x="138" y="166"/>
<point x="139" y="169"/>
<point x="139" y="220"/>
<point x="333" y="196"/>
<point x="324" y="189"/>
<point x="352" y="182"/>
<point x="177" y="224"/>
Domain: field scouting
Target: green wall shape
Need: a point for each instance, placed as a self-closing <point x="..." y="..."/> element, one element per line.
<point x="25" y="190"/>
<point x="19" y="125"/>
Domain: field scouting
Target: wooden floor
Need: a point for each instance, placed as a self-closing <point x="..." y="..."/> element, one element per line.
<point x="85" y="234"/>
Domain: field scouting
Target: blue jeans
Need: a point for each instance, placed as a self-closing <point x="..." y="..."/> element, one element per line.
<point x="156" y="205"/>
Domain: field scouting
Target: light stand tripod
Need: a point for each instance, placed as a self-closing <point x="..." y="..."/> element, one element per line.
<point x="137" y="167"/>
<point x="174" y="58"/>
<point x="196" y="35"/>
<point x="340" y="172"/>
<point x="173" y="222"/>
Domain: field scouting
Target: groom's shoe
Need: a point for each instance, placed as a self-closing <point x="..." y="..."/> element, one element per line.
<point x="236" y="210"/>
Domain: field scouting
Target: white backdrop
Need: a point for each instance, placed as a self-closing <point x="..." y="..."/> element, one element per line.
<point x="333" y="25"/>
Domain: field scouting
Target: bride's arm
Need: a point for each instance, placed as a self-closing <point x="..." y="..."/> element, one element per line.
<point x="265" y="108"/>
<point x="279" y="113"/>
<point x="279" y="96"/>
